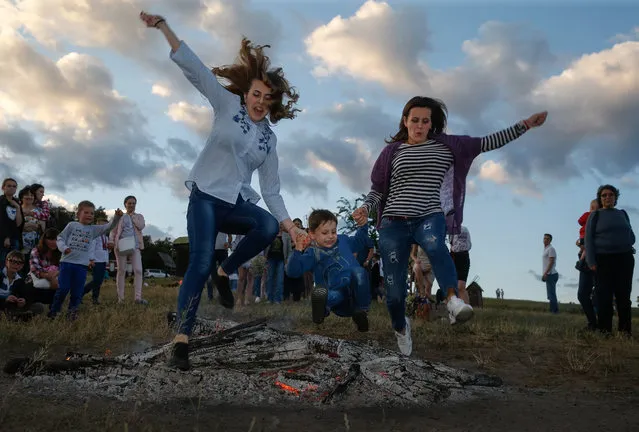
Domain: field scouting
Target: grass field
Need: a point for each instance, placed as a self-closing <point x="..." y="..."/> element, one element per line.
<point x="514" y="338"/>
<point x="557" y="373"/>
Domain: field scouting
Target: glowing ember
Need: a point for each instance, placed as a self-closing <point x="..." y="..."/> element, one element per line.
<point x="287" y="388"/>
<point x="68" y="358"/>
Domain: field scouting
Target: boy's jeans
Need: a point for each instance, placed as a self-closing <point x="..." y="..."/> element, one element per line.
<point x="355" y="296"/>
<point x="70" y="280"/>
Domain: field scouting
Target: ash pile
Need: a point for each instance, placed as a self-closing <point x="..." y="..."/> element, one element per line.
<point x="254" y="364"/>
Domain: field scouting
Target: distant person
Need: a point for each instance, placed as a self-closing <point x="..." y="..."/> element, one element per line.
<point x="550" y="275"/>
<point x="502" y="293"/>
<point x="498" y="293"/>
<point x="609" y="252"/>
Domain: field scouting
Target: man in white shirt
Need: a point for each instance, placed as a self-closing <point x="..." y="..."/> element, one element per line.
<point x="550" y="275"/>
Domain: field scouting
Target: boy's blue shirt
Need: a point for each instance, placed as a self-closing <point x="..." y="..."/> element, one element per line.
<point x="331" y="266"/>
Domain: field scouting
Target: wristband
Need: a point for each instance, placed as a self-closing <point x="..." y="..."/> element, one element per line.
<point x="160" y="21"/>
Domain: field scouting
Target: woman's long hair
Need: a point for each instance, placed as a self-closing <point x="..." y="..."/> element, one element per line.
<point x="253" y="64"/>
<point x="43" y="248"/>
<point x="438" y="117"/>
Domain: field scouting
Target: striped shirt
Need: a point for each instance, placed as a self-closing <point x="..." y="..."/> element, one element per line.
<point x="418" y="170"/>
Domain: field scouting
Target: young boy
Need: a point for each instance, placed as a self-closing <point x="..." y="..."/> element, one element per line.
<point x="341" y="283"/>
<point x="74" y="242"/>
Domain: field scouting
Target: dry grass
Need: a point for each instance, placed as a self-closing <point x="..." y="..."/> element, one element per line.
<point x="515" y="339"/>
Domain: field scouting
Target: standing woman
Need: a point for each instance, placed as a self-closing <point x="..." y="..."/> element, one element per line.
<point x="128" y="245"/>
<point x="32" y="229"/>
<point x="44" y="207"/>
<point x="407" y="179"/>
<point x="609" y="253"/>
<point x="221" y="195"/>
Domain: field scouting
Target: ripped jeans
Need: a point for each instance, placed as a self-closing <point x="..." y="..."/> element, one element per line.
<point x="396" y="236"/>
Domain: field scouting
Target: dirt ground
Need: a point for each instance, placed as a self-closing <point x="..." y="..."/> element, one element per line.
<point x="538" y="395"/>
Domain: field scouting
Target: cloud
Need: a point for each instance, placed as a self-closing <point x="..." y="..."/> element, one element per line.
<point x="182" y="149"/>
<point x="625" y="37"/>
<point x="173" y="177"/>
<point x="155" y="232"/>
<point x="160" y="90"/>
<point x="493" y="171"/>
<point x="58" y="201"/>
<point x="593" y="99"/>
<point x="377" y="44"/>
<point x="66" y="114"/>
<point x="196" y="118"/>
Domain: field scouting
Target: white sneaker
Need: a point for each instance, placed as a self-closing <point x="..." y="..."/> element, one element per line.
<point x="257" y="299"/>
<point x="458" y="311"/>
<point x="404" y="341"/>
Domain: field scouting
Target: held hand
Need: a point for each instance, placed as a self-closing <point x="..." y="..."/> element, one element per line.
<point x="360" y="216"/>
<point x="119" y="212"/>
<point x="536" y="120"/>
<point x="110" y="245"/>
<point x="151" y="20"/>
<point x="91" y="264"/>
<point x="12" y="299"/>
<point x="21" y="302"/>
<point x="67" y="251"/>
<point x="302" y="240"/>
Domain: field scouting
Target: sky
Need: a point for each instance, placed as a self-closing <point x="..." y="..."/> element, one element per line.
<point x="92" y="107"/>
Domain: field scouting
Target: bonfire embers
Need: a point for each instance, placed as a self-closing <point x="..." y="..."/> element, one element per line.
<point x="254" y="364"/>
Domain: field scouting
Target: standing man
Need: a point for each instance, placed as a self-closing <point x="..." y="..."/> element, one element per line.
<point x="550" y="275"/>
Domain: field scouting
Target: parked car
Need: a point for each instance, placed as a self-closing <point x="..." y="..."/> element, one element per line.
<point x="154" y="273"/>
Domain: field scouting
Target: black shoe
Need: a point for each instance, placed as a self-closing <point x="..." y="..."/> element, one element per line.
<point x="360" y="318"/>
<point x="318" y="304"/>
<point x="180" y="356"/>
<point x="224" y="288"/>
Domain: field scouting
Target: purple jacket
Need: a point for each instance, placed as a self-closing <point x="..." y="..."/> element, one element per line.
<point x="464" y="149"/>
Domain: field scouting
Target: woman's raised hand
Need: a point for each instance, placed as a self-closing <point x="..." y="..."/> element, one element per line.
<point x="360" y="216"/>
<point x="536" y="120"/>
<point x="151" y="20"/>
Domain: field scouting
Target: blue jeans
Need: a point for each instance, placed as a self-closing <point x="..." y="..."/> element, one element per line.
<point x="98" y="277"/>
<point x="396" y="236"/>
<point x="275" y="280"/>
<point x="71" y="279"/>
<point x="206" y="216"/>
<point x="551" y="291"/>
<point x="584" y="295"/>
<point x="345" y="300"/>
